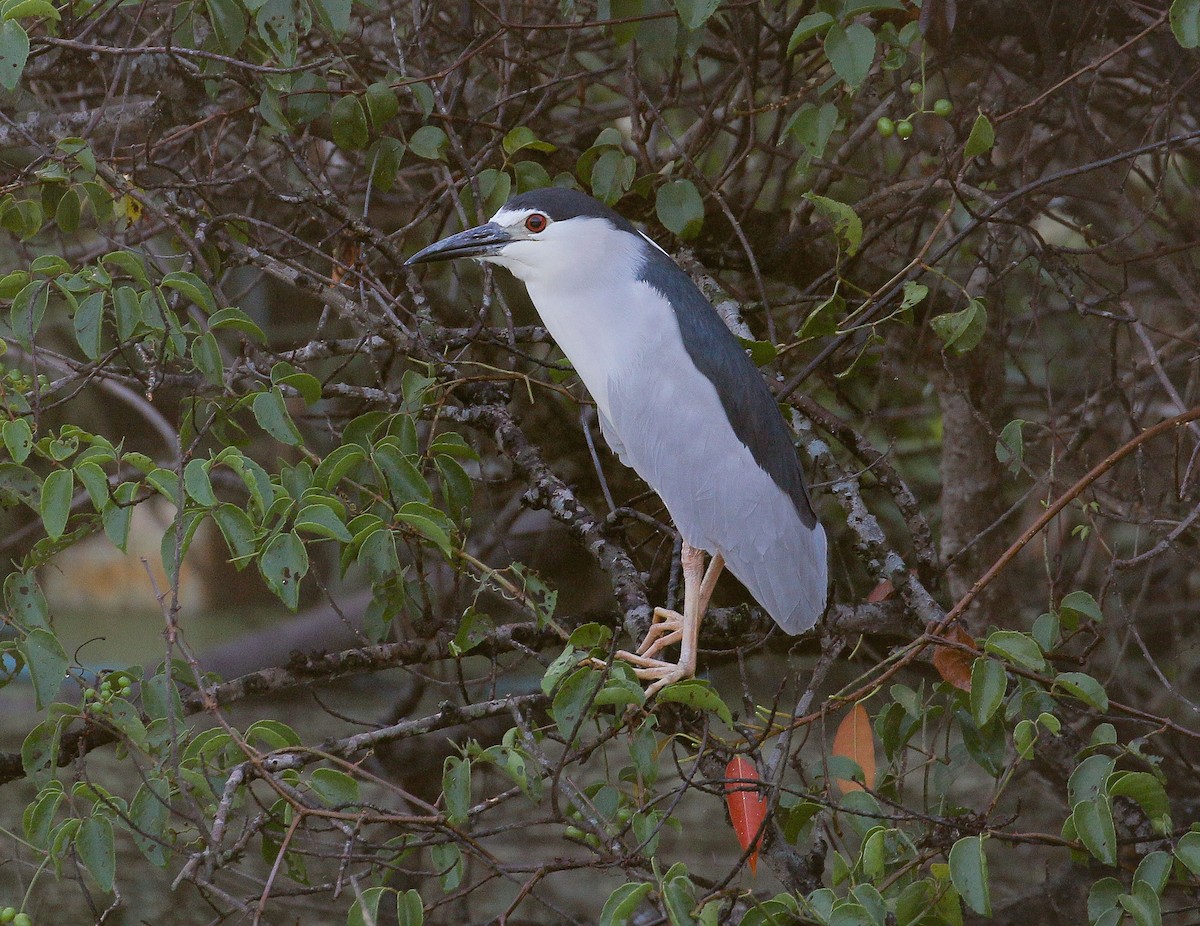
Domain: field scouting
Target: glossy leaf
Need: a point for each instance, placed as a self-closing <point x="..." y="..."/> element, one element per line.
<point x="855" y="740"/>
<point x="747" y="806"/>
<point x="981" y="139"/>
<point x="679" y="207"/>
<point x="94" y="843"/>
<point x="55" y="503"/>
<point x="14" y="52"/>
<point x="622" y="902"/>
<point x="283" y="564"/>
<point x="969" y="874"/>
<point x="988" y="685"/>
<point x="270" y="411"/>
<point x="456" y="789"/>
<point x="47" y="664"/>
<point x="851" y="51"/>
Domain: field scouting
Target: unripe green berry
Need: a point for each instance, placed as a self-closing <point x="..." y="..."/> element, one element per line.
<point x="904" y="128"/>
<point x="89" y="694"/>
<point x="8" y="914"/>
<point x="574" y="832"/>
<point x="915" y="87"/>
<point x="943" y="107"/>
<point x="22" y="919"/>
<point x="885" y="127"/>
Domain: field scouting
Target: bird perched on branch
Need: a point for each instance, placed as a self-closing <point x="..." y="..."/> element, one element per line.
<point x="679" y="401"/>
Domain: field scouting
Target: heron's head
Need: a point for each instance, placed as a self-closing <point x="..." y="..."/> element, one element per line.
<point x="548" y="236"/>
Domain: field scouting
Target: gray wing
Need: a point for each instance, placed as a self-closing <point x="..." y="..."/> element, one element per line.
<point x="673" y="429"/>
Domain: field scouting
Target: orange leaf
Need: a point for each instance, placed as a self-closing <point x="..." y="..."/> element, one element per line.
<point x="881" y="592"/>
<point x="855" y="741"/>
<point x="747" y="806"/>
<point x="953" y="665"/>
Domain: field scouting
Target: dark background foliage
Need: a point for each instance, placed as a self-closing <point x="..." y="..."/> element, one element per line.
<point x="959" y="240"/>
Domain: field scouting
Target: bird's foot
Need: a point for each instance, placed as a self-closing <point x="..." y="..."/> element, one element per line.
<point x="666" y="629"/>
<point x="658" y="671"/>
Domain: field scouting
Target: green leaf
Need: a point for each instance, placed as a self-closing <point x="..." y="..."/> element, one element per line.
<point x="94" y="843"/>
<point x="191" y="287"/>
<point x="28" y="310"/>
<point x="810" y="25"/>
<point x="400" y="475"/>
<point x="322" y="521"/>
<point x="678" y="895"/>
<point x="95" y="481"/>
<point x="522" y="138"/>
<point x="1142" y="905"/>
<point x="228" y="20"/>
<point x="18" y="438"/>
<point x="21" y="484"/>
<point x="1187" y="850"/>
<point x="335" y="788"/>
<point x="961" y="330"/>
<point x="207" y="357"/>
<point x="55" y="504"/>
<point x="448" y="863"/>
<point x="981" y="139"/>
<point x="1089" y="779"/>
<point x="47" y="664"/>
<point x="409" y="909"/>
<point x="1077" y="607"/>
<point x="1102" y="897"/>
<point x="812" y="126"/>
<point x="88" y="321"/>
<point x="283" y="564"/>
<point x="28" y="9"/>
<point x="14" y="52"/>
<point x="1084" y="687"/>
<point x="679" y="207"/>
<point x="1010" y="447"/>
<point x="572" y="697"/>
<point x="270" y="410"/>
<point x="1185" y="22"/>
<point x="612" y="175"/>
<point x="969" y="874"/>
<point x="382" y="104"/>
<point x="695" y="13"/>
<point x="238" y="531"/>
<point x="1154" y="870"/>
<point x="350" y="130"/>
<point x="66" y="215"/>
<point x="235" y="318"/>
<point x="823" y="320"/>
<point x="149" y="812"/>
<point x="26" y="604"/>
<point x="1094" y="825"/>
<point x="988" y="685"/>
<point x="365" y="909"/>
<point x="1146" y="790"/>
<point x="429" y="523"/>
<point x="696" y="693"/>
<point x="622" y="902"/>
<point x="198" y="485"/>
<point x="851" y="50"/>
<point x="334" y="15"/>
<point x="456" y="789"/>
<point x="1018" y="648"/>
<point x="429" y="142"/>
<point x="846" y="223"/>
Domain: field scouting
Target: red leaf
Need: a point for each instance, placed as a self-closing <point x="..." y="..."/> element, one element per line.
<point x="854" y="740"/>
<point x="953" y="665"/>
<point x="881" y="592"/>
<point x="747" y="806"/>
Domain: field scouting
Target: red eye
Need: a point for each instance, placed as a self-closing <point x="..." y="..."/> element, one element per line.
<point x="537" y="222"/>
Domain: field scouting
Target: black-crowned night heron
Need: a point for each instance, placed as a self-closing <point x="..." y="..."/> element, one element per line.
<point x="679" y="401"/>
